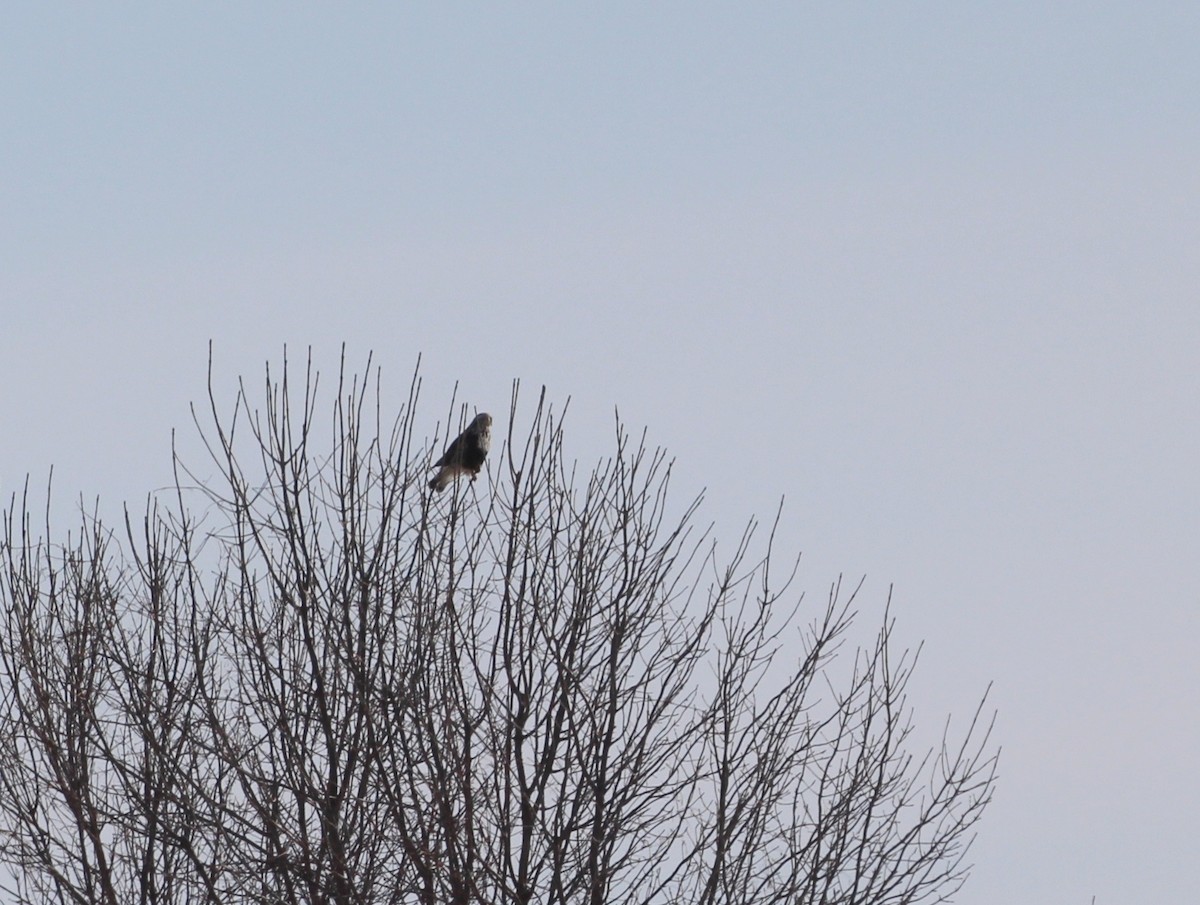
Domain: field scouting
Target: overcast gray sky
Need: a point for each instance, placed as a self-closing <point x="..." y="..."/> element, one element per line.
<point x="927" y="270"/>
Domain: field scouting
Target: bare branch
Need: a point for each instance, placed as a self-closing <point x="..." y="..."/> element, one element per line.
<point x="333" y="686"/>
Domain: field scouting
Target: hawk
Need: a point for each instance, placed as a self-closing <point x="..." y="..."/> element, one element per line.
<point x="466" y="454"/>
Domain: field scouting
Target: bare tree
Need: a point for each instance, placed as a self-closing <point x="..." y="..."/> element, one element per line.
<point x="332" y="686"/>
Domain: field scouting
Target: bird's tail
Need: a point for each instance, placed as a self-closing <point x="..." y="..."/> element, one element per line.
<point x="443" y="478"/>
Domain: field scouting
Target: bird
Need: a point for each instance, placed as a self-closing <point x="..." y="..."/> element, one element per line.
<point x="466" y="454"/>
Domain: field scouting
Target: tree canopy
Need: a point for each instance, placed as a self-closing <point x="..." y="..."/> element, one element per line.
<point x="303" y="677"/>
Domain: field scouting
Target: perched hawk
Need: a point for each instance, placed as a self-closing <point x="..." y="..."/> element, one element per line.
<point x="466" y="454"/>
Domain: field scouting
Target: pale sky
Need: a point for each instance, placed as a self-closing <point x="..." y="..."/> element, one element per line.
<point x="928" y="271"/>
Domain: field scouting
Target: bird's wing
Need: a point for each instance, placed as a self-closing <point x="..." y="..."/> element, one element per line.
<point x="452" y="451"/>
